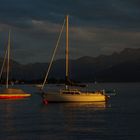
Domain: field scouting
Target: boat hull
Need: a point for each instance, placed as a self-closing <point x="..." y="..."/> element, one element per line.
<point x="13" y="93"/>
<point x="74" y="98"/>
<point x="14" y="96"/>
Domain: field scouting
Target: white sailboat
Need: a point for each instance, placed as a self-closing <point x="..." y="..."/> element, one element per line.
<point x="8" y="92"/>
<point x="69" y="94"/>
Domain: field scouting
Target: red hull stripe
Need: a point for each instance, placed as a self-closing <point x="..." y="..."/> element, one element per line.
<point x="13" y="96"/>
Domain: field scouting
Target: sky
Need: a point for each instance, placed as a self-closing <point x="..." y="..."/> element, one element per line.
<point x="96" y="27"/>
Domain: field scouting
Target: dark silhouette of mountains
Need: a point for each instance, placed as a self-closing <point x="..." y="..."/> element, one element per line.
<point x="118" y="67"/>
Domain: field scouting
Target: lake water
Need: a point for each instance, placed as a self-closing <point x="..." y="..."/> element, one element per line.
<point x="30" y="119"/>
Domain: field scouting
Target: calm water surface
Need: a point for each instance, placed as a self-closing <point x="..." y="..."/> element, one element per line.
<point x="30" y="119"/>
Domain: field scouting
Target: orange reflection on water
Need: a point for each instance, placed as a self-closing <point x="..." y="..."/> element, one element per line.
<point x="94" y="105"/>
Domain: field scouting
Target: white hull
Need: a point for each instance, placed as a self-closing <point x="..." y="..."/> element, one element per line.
<point x="84" y="97"/>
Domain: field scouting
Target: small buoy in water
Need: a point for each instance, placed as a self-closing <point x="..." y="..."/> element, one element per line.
<point x="45" y="101"/>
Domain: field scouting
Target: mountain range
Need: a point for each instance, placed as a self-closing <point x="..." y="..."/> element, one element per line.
<point x="117" y="67"/>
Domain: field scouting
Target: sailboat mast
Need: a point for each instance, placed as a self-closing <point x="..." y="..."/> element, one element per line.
<point x="8" y="60"/>
<point x="67" y="47"/>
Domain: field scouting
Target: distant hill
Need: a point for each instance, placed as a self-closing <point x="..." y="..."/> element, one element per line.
<point x="118" y="67"/>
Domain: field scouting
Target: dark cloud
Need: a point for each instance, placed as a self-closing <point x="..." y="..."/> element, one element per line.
<point x="98" y="26"/>
<point x="97" y="12"/>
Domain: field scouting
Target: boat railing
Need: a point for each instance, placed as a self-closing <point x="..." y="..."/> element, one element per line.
<point x="69" y="91"/>
<point x="76" y="91"/>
